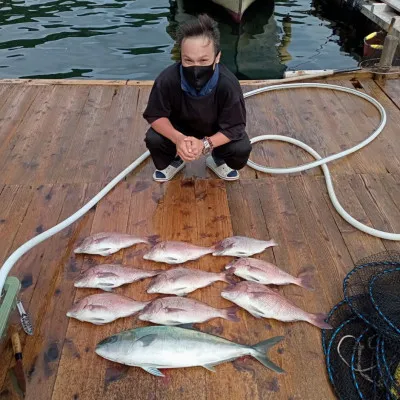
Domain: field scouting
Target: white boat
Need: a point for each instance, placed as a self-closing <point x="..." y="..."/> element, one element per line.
<point x="235" y="7"/>
<point x="257" y="48"/>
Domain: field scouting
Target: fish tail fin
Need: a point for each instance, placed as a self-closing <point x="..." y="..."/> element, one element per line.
<point x="230" y="314"/>
<point x="217" y="246"/>
<point x="262" y="348"/>
<point x="228" y="277"/>
<point x="152" y="239"/>
<point x="305" y="279"/>
<point x="319" y="321"/>
<point x="272" y="243"/>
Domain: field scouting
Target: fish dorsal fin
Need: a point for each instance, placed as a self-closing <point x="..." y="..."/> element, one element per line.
<point x="153" y="371"/>
<point x="147" y="340"/>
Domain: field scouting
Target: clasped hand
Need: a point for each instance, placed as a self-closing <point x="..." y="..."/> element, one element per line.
<point x="189" y="148"/>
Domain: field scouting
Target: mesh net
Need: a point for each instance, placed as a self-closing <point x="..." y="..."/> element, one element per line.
<point x="388" y="362"/>
<point x="338" y="357"/>
<point x="385" y="297"/>
<point x="364" y="369"/>
<point x="363" y="349"/>
<point x="339" y="314"/>
<point x="357" y="291"/>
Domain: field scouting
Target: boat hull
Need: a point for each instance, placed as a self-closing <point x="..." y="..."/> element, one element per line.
<point x="235" y="7"/>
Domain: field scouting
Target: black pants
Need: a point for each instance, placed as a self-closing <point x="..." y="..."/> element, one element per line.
<point x="163" y="151"/>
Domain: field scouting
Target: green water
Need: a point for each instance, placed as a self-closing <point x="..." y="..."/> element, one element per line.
<point x="122" y="39"/>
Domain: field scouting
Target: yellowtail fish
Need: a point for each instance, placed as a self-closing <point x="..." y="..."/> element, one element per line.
<point x="155" y="347"/>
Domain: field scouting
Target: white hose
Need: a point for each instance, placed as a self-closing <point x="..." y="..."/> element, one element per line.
<point x="6" y="268"/>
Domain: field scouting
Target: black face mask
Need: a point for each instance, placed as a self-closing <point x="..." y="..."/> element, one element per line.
<point x="197" y="76"/>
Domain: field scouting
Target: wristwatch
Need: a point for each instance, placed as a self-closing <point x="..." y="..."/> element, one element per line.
<point x="207" y="146"/>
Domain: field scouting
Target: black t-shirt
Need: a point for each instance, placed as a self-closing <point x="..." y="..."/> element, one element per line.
<point x="222" y="110"/>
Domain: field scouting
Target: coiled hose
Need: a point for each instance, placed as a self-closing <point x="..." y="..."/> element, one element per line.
<point x="320" y="161"/>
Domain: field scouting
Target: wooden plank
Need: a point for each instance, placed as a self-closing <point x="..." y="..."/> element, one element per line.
<point x="258" y="382"/>
<point x="379" y="206"/>
<point x="54" y="294"/>
<point x="298" y="126"/>
<point x="293" y="254"/>
<point x="360" y="244"/>
<point x="389" y="136"/>
<point x="136" y="145"/>
<point x="393" y="113"/>
<point x="134" y="82"/>
<point x="81" y="338"/>
<point x="27" y="137"/>
<point x="213" y="224"/>
<point x="337" y="131"/>
<point x="324" y="239"/>
<point x="382" y="150"/>
<point x="79" y="162"/>
<point x="5" y="92"/>
<point x="14" y="201"/>
<point x="266" y="117"/>
<point x="12" y="115"/>
<point x="95" y="137"/>
<point x="65" y="116"/>
<point x="113" y="151"/>
<point x="180" y="225"/>
<point x="255" y="125"/>
<point x="40" y="138"/>
<point x="52" y="82"/>
<point x="146" y="203"/>
<point x="392" y="90"/>
<point x="42" y="213"/>
<point x="391" y="183"/>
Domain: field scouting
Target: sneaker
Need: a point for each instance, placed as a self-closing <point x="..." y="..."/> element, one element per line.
<point x="168" y="173"/>
<point x="221" y="169"/>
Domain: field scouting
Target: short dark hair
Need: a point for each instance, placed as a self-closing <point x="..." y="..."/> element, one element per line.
<point x="202" y="26"/>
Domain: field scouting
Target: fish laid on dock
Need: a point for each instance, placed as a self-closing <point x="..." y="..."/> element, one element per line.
<point x="155" y="347"/>
<point x="263" y="302"/>
<point x="107" y="243"/>
<point x="110" y="276"/>
<point x="266" y="273"/>
<point x="181" y="310"/>
<point x="181" y="281"/>
<point x="241" y="246"/>
<point x="174" y="252"/>
<point x="100" y="309"/>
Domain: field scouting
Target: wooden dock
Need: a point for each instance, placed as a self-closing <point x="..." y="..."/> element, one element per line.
<point x="61" y="142"/>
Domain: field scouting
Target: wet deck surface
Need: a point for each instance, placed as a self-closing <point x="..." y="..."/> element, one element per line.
<point x="60" y="144"/>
